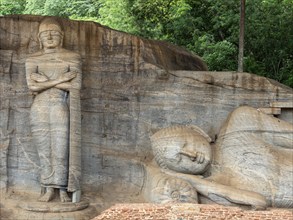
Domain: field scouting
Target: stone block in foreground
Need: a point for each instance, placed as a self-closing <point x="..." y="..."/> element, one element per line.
<point x="188" y="211"/>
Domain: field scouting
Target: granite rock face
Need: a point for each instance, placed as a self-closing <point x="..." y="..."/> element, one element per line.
<point x="250" y="163"/>
<point x="131" y="88"/>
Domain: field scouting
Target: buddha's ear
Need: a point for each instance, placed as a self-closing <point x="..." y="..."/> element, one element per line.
<point x="201" y="132"/>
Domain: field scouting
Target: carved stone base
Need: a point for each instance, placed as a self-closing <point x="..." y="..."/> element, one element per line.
<point x="53" y="206"/>
<point x="21" y="205"/>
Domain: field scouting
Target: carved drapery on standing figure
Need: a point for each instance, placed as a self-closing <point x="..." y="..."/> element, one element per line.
<point x="53" y="74"/>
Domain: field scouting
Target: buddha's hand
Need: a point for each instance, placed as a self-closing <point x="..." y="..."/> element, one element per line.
<point x="194" y="156"/>
<point x="200" y="157"/>
<point x="65" y="77"/>
<point x="38" y="77"/>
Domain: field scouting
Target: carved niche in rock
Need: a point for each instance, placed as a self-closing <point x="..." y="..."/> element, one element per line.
<point x="250" y="164"/>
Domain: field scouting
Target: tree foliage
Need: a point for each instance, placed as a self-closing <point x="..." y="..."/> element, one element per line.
<point x="208" y="28"/>
<point x="45" y="7"/>
<point x="269" y="44"/>
<point x="83" y="9"/>
<point x="12" y="7"/>
<point x="116" y="14"/>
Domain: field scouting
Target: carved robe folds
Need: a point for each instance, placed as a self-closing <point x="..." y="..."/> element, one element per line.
<point x="55" y="119"/>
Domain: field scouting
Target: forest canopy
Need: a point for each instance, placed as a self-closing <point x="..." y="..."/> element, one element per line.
<point x="208" y="28"/>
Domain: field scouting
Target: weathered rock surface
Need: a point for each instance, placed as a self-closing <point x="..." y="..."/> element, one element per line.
<point x="131" y="87"/>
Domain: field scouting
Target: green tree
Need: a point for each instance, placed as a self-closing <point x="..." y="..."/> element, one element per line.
<point x="211" y="29"/>
<point x="46" y="7"/>
<point x="83" y="9"/>
<point x="74" y="9"/>
<point x="115" y="14"/>
<point x="12" y="7"/>
<point x="269" y="34"/>
<point x="205" y="27"/>
<point x="219" y="55"/>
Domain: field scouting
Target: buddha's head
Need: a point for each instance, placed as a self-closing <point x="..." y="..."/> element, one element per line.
<point x="50" y="34"/>
<point x="182" y="149"/>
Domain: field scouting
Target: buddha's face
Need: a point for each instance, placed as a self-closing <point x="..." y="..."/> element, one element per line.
<point x="192" y="155"/>
<point x="50" y="39"/>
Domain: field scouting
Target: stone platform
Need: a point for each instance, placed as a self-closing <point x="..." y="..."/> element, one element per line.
<point x="53" y="206"/>
<point x="23" y="206"/>
<point x="187" y="211"/>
